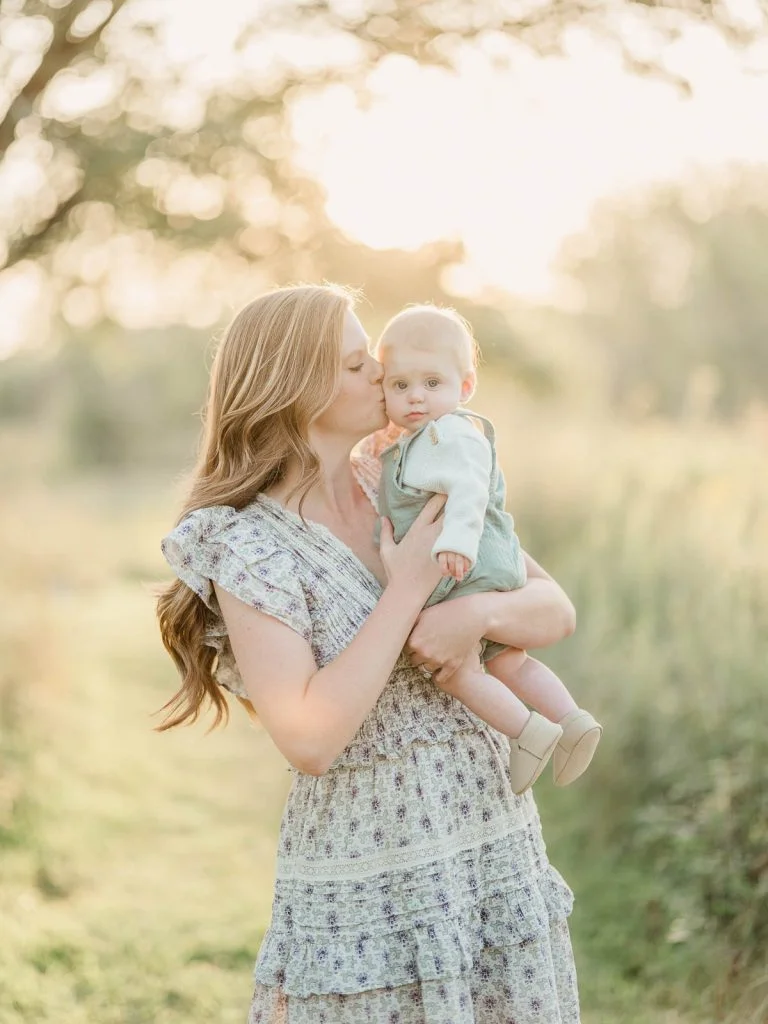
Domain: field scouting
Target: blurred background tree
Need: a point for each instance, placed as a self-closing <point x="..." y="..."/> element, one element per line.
<point x="674" y="300"/>
<point x="125" y="147"/>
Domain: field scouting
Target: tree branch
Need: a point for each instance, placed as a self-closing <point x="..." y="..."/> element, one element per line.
<point x="63" y="49"/>
<point x="28" y="244"/>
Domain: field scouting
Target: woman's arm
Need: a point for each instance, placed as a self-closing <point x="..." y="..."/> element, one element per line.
<point x="536" y="615"/>
<point x="310" y="713"/>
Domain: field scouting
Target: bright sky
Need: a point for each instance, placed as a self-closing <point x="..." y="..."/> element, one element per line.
<point x="513" y="162"/>
<point x="510" y="161"/>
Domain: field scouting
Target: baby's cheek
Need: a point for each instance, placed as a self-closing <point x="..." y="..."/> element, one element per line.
<point x="391" y="406"/>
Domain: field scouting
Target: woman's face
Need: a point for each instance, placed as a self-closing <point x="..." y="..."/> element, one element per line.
<point x="358" y="408"/>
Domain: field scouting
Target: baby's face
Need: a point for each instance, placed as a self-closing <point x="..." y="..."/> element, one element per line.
<point x="421" y="385"/>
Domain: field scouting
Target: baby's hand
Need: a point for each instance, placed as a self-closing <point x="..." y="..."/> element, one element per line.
<point x="453" y="565"/>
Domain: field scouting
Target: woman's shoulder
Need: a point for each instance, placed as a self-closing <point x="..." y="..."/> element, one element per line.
<point x="219" y="541"/>
<point x="221" y="523"/>
<point x="248" y="553"/>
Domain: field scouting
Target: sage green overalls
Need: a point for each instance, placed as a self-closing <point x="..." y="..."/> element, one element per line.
<point x="500" y="564"/>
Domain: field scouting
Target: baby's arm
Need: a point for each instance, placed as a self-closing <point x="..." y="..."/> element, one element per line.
<point x="453" y="458"/>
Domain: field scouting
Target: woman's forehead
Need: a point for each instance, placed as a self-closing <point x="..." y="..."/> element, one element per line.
<point x="353" y="337"/>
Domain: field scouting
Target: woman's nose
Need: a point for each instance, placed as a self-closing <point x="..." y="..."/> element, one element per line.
<point x="377" y="376"/>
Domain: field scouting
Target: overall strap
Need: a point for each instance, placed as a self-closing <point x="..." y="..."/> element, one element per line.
<point x="490" y="433"/>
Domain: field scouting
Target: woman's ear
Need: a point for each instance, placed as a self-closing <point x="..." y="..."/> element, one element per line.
<point x="468" y="386"/>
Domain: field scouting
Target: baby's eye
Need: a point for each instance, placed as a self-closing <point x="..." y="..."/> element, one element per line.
<point x="433" y="382"/>
<point x="400" y="385"/>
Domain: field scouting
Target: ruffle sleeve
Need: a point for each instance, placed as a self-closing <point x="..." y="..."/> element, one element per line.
<point x="237" y="551"/>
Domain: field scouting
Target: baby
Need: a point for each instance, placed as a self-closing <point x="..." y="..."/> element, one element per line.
<point x="429" y="357"/>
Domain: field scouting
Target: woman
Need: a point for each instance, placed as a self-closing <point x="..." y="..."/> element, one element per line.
<point x="412" y="884"/>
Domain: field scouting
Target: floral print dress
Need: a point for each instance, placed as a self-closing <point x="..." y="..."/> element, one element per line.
<point x="412" y="884"/>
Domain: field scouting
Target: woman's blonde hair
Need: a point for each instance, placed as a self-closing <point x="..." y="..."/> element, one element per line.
<point x="276" y="369"/>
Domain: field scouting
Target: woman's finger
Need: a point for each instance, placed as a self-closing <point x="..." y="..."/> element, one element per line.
<point x="444" y="672"/>
<point x="386" y="538"/>
<point x="432" y="509"/>
<point x="429" y="664"/>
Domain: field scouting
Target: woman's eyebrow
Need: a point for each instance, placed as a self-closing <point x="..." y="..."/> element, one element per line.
<point x="357" y="353"/>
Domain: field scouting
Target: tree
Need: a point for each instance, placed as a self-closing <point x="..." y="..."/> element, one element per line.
<point x="116" y="136"/>
<point x="675" y="299"/>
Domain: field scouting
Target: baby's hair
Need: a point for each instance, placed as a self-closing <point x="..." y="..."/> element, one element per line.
<point x="418" y="326"/>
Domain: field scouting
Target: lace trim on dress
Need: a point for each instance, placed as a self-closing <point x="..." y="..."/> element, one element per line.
<point x="367" y="470"/>
<point x="301" y="869"/>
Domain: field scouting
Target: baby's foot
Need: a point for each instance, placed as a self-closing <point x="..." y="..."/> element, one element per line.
<point x="530" y="751"/>
<point x="581" y="734"/>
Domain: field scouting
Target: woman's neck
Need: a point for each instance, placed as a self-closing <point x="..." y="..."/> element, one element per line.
<point x="337" y="493"/>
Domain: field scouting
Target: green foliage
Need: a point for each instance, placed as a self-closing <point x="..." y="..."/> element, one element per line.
<point x="675" y="297"/>
<point x="667" y="841"/>
<point x="130" y="400"/>
<point x="17" y="812"/>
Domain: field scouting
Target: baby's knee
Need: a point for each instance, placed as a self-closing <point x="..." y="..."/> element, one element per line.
<point x="512" y="660"/>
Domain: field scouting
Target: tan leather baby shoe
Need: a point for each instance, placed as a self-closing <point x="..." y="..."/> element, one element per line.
<point x="530" y="751"/>
<point x="581" y="734"/>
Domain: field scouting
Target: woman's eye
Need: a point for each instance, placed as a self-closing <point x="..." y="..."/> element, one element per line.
<point x="357" y="369"/>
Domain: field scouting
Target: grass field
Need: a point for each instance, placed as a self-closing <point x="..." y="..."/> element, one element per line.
<point x="137" y="867"/>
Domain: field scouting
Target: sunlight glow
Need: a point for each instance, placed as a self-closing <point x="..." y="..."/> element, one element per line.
<point x="512" y="162"/>
<point x="509" y="159"/>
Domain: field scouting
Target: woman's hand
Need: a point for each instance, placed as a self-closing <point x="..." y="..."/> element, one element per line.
<point x="535" y="615"/>
<point x="444" y="636"/>
<point x="409" y="564"/>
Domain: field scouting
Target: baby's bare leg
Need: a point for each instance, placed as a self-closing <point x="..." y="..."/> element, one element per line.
<point x="487" y="696"/>
<point x="533" y="683"/>
<point x="532" y="737"/>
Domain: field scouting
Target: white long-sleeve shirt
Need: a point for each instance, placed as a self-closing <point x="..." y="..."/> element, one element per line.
<point x="453" y="457"/>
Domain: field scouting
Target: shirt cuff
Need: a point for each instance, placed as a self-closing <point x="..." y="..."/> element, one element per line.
<point x="459" y="540"/>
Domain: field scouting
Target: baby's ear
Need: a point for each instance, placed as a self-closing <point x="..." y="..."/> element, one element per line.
<point x="468" y="386"/>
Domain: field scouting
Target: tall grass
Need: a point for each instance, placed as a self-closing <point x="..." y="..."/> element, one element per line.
<point x="661" y="539"/>
<point x="136" y="869"/>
